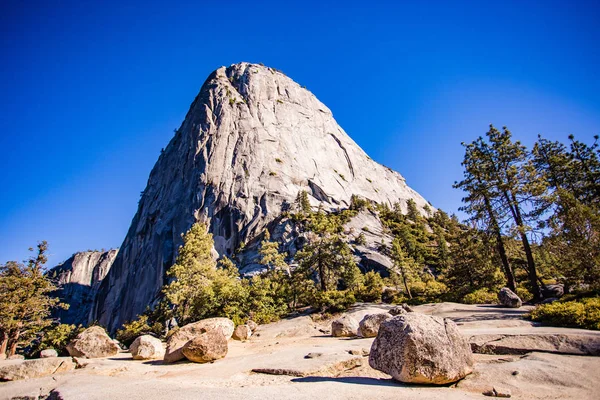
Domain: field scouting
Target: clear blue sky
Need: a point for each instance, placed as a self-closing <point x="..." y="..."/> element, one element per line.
<point x="91" y="93"/>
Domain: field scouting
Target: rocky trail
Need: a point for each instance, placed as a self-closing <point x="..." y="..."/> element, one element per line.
<point x="297" y="358"/>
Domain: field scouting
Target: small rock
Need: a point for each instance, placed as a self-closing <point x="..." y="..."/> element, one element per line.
<point x="93" y="343"/>
<point x="16" y="357"/>
<point x="346" y="326"/>
<point x="369" y="325"/>
<point x="48" y="353"/>
<point x="242" y="332"/>
<point x="207" y="347"/>
<point x="253" y="325"/>
<point x="498" y="392"/>
<point x="401" y="309"/>
<point x="313" y="355"/>
<point x="362" y="352"/>
<point x="509" y="299"/>
<point x="147" y="347"/>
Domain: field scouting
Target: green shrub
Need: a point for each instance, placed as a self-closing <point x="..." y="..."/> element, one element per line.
<point x="332" y="300"/>
<point x="140" y="326"/>
<point x="576" y="314"/>
<point x="524" y="294"/>
<point x="371" y="287"/>
<point x="361" y="239"/>
<point x="481" y="296"/>
<point x="56" y="337"/>
<point x="426" y="291"/>
<point x="357" y="203"/>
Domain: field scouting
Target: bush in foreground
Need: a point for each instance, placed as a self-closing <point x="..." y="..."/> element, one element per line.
<point x="574" y="314"/>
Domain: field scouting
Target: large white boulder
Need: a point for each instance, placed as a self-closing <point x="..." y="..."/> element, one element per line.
<point x="419" y="348"/>
<point x="147" y="347"/>
<point x="93" y="343"/>
<point x="345" y="326"/>
<point x="188" y="332"/>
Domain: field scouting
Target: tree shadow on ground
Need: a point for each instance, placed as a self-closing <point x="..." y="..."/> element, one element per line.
<point x="363" y="380"/>
<point x="357" y="380"/>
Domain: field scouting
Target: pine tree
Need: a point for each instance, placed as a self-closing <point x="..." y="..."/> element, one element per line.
<point x="403" y="263"/>
<point x="270" y="255"/>
<point x="326" y="257"/>
<point x="25" y="301"/>
<point x="303" y="202"/>
<point x="198" y="288"/>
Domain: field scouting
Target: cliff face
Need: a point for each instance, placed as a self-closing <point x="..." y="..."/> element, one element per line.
<point x="79" y="279"/>
<point x="251" y="141"/>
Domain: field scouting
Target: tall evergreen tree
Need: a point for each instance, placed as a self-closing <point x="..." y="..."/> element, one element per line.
<point x="479" y="202"/>
<point x="25" y="301"/>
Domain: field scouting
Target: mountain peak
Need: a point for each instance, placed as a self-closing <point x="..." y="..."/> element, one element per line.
<point x="251" y="141"/>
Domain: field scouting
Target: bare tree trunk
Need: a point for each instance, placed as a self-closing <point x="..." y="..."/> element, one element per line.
<point x="4" y="343"/>
<point x="508" y="272"/>
<point x="405" y="283"/>
<point x="14" y="341"/>
<point x="533" y="278"/>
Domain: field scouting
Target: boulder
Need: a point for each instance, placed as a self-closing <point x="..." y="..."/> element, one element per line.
<point x="399" y="310"/>
<point x="509" y="299"/>
<point x="253" y="325"/>
<point x="188" y="332"/>
<point x="419" y="348"/>
<point x="242" y="332"/>
<point x="36" y="368"/>
<point x="553" y="291"/>
<point x="92" y="343"/>
<point x="346" y="326"/>
<point x="48" y="353"/>
<point x="206" y="347"/>
<point x="369" y="325"/>
<point x="147" y="347"/>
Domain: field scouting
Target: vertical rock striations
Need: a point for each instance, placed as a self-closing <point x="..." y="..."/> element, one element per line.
<point x="252" y="139"/>
<point x="79" y="279"/>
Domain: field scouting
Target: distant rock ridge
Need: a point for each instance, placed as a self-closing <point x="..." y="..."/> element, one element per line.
<point x="251" y="141"/>
<point x="79" y="279"/>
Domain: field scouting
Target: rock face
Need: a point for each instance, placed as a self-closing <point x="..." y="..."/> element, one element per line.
<point x="36" y="368"/>
<point x="147" y="347"/>
<point x="346" y="326"/>
<point x="79" y="279"/>
<point x="180" y="338"/>
<point x="369" y="325"/>
<point x="251" y="141"/>
<point x="206" y="347"/>
<point x="509" y="299"/>
<point x="419" y="348"/>
<point x="93" y="343"/>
